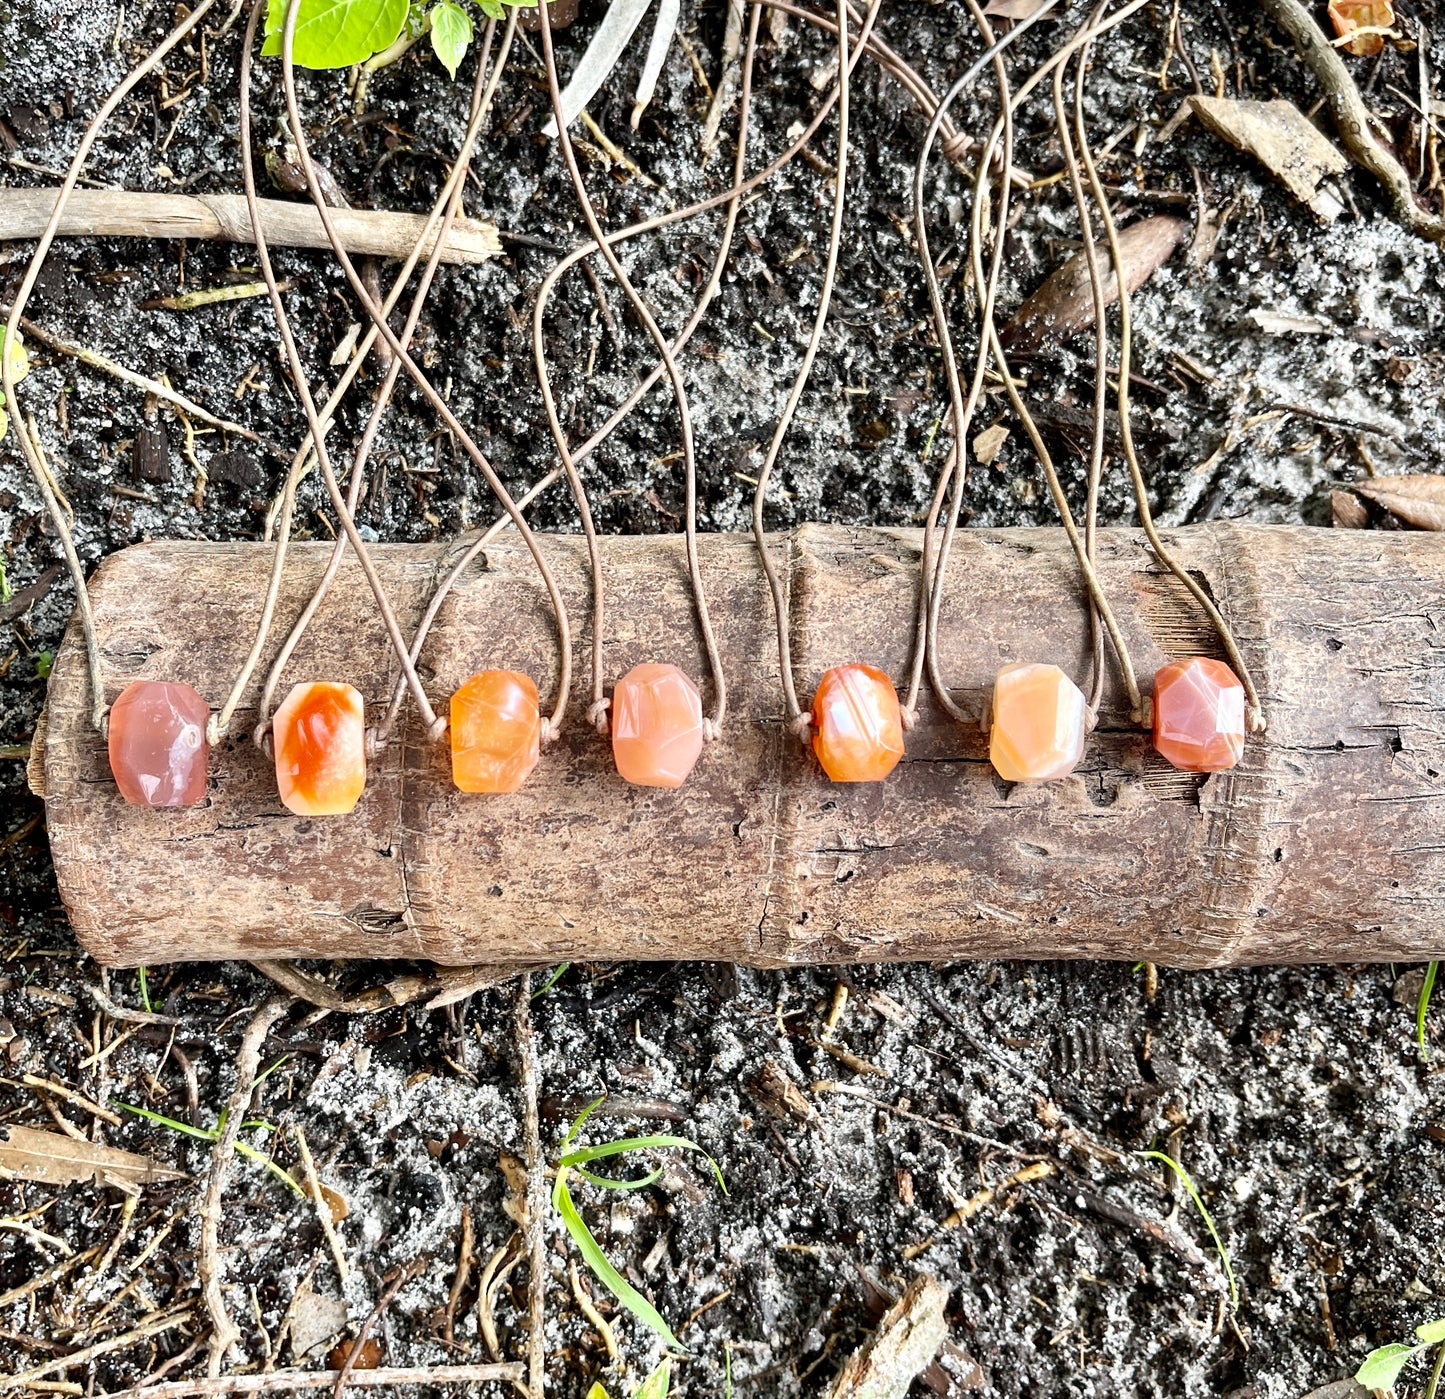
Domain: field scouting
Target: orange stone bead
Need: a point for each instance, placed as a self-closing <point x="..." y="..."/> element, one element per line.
<point x="1038" y="724"/>
<point x="1199" y="715"/>
<point x="656" y="726"/>
<point x="496" y="731"/>
<point x="857" y="726"/>
<point x="319" y="735"/>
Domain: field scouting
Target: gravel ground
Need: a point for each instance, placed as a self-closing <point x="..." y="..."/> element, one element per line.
<point x="1296" y="1099"/>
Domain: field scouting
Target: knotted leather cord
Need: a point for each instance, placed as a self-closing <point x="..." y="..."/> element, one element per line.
<point x="1254" y="713"/>
<point x="299" y="376"/>
<point x="991" y="345"/>
<point x="732" y="198"/>
<point x="436" y="728"/>
<point x="955" y="463"/>
<point x="713" y="725"/>
<point x="1101" y="352"/>
<point x="99" y="709"/>
<point x="797" y="721"/>
<point x="451" y="202"/>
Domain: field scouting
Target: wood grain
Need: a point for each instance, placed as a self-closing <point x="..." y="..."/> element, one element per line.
<point x="1327" y="843"/>
<point x="105" y="213"/>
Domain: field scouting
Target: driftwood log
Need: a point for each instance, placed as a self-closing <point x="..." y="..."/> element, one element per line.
<point x="106" y="213"/>
<point x="1326" y="844"/>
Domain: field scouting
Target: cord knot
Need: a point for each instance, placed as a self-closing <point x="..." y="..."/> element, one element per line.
<point x="909" y="716"/>
<point x="711" y="730"/>
<point x="375" y="743"/>
<point x="597" y="714"/>
<point x="261" y="737"/>
<point x="1254" y="719"/>
<point x="214" y="732"/>
<point x="102" y="720"/>
<point x="551" y="731"/>
<point x="438" y="729"/>
<point x="1091" y="718"/>
<point x="801" y="726"/>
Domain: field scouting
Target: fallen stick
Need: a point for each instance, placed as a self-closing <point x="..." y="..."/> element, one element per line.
<point x="126" y="214"/>
<point x="323" y="1379"/>
<point x="1327" y="843"/>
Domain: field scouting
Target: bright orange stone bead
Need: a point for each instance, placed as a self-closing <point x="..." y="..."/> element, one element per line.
<point x="1038" y="724"/>
<point x="496" y="731"/>
<point x="319" y="735"/>
<point x="857" y="726"/>
<point x="1199" y="715"/>
<point x="656" y="726"/>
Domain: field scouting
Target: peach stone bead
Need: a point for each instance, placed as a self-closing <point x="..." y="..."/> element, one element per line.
<point x="157" y="743"/>
<point x="657" y="727"/>
<point x="319" y="735"/>
<point x="1038" y="723"/>
<point x="1199" y="715"/>
<point x="496" y="731"/>
<point x="857" y="725"/>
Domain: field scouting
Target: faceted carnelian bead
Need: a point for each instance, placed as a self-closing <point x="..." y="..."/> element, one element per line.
<point x="656" y="726"/>
<point x="319" y="735"/>
<point x="857" y="727"/>
<point x="158" y="744"/>
<point x="1199" y="715"/>
<point x="1038" y="724"/>
<point x="496" y="732"/>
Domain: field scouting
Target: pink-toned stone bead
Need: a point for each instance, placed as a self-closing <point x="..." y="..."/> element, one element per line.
<point x="158" y="744"/>
<point x="1199" y="715"/>
<point x="657" y="729"/>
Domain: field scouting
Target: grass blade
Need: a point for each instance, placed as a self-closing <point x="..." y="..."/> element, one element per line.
<point x="602" y="1269"/>
<point x="1422" y="1006"/>
<point x="1204" y="1214"/>
<point x="625" y="1144"/>
<point x="206" y="1134"/>
<point x="612" y="1183"/>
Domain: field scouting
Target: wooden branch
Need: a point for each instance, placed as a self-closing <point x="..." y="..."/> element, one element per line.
<point x="1327" y="843"/>
<point x="103" y="213"/>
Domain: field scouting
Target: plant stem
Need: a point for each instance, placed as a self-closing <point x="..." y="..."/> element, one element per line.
<point x="1439" y="1360"/>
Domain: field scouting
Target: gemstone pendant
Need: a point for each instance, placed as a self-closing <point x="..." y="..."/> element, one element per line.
<point x="496" y="732"/>
<point x="657" y="728"/>
<point x="1038" y="723"/>
<point x="857" y="725"/>
<point x="157" y="743"/>
<point x="319" y="736"/>
<point x="1199" y="715"/>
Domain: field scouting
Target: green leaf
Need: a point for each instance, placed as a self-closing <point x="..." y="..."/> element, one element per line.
<point x="206" y="1134"/>
<point x="1382" y="1367"/>
<point x="601" y="1268"/>
<point x="1432" y="1333"/>
<point x="1208" y="1218"/>
<point x="451" y="32"/>
<point x="493" y="9"/>
<point x="656" y="1385"/>
<point x="43" y="661"/>
<point x="596" y="1392"/>
<point x="559" y="971"/>
<point x="1422" y="1007"/>
<point x="625" y="1144"/>
<point x="335" y="33"/>
<point x="612" y="1183"/>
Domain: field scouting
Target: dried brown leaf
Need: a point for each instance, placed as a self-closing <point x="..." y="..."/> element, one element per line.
<point x="1350" y="15"/>
<point x="1064" y="305"/>
<point x="1013" y="9"/>
<point x="1417" y="500"/>
<point x="1285" y="141"/>
<point x="1347" y="512"/>
<point x="55" y="1159"/>
<point x="779" y="1094"/>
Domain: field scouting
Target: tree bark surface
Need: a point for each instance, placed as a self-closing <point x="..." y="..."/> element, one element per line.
<point x="1326" y="843"/>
